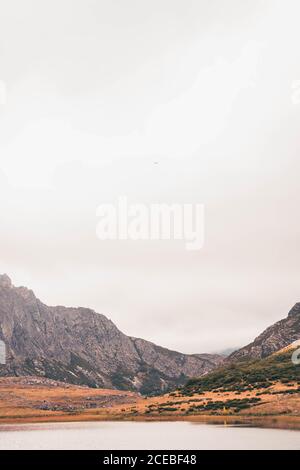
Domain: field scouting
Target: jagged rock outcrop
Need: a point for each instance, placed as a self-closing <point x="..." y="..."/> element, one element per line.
<point x="80" y="346"/>
<point x="274" y="338"/>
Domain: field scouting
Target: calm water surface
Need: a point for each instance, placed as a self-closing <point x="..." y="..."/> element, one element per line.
<point x="137" y="435"/>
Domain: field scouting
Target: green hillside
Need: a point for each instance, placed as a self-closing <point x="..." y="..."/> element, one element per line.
<point x="255" y="374"/>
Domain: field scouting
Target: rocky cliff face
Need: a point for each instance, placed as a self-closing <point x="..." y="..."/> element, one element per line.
<point x="274" y="338"/>
<point x="80" y="346"/>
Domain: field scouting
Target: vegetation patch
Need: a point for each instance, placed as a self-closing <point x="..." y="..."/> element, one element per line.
<point x="234" y="405"/>
<point x="246" y="376"/>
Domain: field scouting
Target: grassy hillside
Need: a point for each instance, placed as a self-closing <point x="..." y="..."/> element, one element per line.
<point x="243" y="376"/>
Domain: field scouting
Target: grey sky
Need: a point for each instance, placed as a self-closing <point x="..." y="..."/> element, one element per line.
<point x="96" y="91"/>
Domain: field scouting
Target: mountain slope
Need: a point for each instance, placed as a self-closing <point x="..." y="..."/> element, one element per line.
<point x="79" y="346"/>
<point x="274" y="338"/>
<point x="250" y="375"/>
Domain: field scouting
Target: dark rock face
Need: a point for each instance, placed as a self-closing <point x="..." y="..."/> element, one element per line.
<point x="80" y="346"/>
<point x="274" y="338"/>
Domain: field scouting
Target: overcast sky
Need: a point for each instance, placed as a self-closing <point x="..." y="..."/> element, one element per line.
<point x="92" y="93"/>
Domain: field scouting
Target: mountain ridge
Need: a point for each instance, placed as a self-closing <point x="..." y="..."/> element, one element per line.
<point x="80" y="346"/>
<point x="275" y="337"/>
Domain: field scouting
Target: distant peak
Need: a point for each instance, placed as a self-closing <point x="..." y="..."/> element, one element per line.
<point x="5" y="281"/>
<point x="295" y="310"/>
<point x="24" y="292"/>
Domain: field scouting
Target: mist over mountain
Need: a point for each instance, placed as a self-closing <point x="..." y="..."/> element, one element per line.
<point x="274" y="338"/>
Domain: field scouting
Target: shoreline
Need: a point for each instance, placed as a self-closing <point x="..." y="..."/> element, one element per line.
<point x="29" y="401"/>
<point x="271" y="421"/>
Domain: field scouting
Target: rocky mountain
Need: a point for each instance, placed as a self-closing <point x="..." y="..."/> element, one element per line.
<point x="80" y="346"/>
<point x="274" y="338"/>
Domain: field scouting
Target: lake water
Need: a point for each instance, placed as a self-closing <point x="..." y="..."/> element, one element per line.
<point x="144" y="435"/>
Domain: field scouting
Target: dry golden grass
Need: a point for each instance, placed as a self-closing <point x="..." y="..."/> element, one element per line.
<point x="22" y="402"/>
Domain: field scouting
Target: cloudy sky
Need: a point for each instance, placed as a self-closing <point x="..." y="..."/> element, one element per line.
<point x="92" y="94"/>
